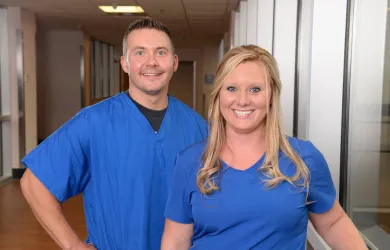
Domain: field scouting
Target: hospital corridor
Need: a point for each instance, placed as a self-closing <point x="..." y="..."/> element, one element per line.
<point x="60" y="59"/>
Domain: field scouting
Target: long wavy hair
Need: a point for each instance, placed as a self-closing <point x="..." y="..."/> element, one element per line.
<point x="275" y="138"/>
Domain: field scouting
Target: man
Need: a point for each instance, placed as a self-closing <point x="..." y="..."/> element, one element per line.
<point x="119" y="153"/>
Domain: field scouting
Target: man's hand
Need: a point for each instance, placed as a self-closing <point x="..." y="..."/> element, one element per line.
<point x="83" y="246"/>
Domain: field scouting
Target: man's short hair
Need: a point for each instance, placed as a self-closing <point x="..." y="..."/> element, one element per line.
<point x="145" y="23"/>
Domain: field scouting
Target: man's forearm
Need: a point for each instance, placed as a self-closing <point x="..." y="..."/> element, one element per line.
<point x="48" y="212"/>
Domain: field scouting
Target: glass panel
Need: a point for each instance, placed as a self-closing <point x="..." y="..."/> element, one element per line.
<point x="368" y="183"/>
<point x="103" y="70"/>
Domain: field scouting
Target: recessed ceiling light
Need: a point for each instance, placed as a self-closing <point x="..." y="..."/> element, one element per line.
<point x="121" y="9"/>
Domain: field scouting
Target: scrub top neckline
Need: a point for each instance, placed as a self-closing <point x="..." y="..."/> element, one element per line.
<point x="143" y="121"/>
<point x="250" y="169"/>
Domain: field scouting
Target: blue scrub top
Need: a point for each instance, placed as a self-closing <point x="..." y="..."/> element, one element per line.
<point x="245" y="214"/>
<point x="110" y="153"/>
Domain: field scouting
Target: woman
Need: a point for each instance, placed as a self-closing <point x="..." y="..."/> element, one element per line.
<point x="250" y="186"/>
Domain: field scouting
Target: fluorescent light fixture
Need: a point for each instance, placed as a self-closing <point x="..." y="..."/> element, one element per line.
<point x="121" y="9"/>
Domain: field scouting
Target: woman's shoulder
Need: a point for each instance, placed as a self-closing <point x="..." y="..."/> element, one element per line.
<point x="309" y="153"/>
<point x="191" y="158"/>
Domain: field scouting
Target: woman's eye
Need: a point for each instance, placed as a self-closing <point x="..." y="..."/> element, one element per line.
<point x="231" y="89"/>
<point x="255" y="90"/>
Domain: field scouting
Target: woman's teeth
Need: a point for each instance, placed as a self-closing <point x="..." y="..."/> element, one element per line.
<point x="243" y="113"/>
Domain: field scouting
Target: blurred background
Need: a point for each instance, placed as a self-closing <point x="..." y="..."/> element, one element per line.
<point x="58" y="56"/>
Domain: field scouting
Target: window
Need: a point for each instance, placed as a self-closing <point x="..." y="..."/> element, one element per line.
<point x="367" y="124"/>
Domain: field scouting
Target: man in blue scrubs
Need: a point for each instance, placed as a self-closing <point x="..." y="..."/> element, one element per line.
<point x="118" y="153"/>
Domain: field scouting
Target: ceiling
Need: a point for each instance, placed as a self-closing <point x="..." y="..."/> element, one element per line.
<point x="191" y="22"/>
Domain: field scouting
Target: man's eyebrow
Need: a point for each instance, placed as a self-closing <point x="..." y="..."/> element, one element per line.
<point x="144" y="48"/>
<point x="137" y="47"/>
<point x="162" y="47"/>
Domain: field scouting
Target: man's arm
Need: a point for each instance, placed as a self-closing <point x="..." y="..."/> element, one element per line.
<point x="48" y="211"/>
<point x="176" y="236"/>
<point x="337" y="229"/>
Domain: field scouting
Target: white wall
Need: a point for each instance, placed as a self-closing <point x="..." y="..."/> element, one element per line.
<point x="251" y="24"/>
<point x="265" y="24"/>
<point x="326" y="86"/>
<point x="59" y="93"/>
<point x="284" y="51"/>
<point x="236" y="33"/>
<point x="243" y="22"/>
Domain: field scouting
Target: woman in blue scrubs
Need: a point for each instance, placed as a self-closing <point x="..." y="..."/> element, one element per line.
<point x="250" y="186"/>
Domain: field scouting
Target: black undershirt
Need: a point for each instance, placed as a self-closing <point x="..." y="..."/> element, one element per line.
<point x="155" y="117"/>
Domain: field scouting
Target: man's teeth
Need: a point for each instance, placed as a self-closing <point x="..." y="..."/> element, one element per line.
<point x="242" y="113"/>
<point x="151" y="74"/>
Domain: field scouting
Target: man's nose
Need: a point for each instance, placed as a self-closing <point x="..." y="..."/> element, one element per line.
<point x="152" y="60"/>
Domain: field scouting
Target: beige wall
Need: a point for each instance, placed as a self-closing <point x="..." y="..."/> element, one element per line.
<point x="58" y="54"/>
<point x="30" y="79"/>
<point x="206" y="59"/>
<point x="181" y="85"/>
<point x="197" y="56"/>
<point x="59" y="93"/>
<point x="210" y="61"/>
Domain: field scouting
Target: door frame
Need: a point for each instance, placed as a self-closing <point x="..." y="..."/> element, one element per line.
<point x="193" y="80"/>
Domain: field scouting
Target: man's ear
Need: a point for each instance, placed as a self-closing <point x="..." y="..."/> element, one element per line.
<point x="175" y="62"/>
<point x="124" y="64"/>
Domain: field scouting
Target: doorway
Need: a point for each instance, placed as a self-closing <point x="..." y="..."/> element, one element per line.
<point x="183" y="83"/>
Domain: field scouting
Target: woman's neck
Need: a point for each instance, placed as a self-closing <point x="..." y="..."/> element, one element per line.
<point x="240" y="143"/>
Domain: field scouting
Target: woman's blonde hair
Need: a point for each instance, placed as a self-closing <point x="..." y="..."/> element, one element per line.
<point x="275" y="139"/>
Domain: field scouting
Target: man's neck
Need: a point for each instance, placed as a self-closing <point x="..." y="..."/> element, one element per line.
<point x="153" y="102"/>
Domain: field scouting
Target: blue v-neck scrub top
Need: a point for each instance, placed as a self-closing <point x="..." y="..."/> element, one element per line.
<point x="110" y="153"/>
<point x="246" y="214"/>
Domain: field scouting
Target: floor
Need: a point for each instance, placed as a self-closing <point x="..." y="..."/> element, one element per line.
<point x="19" y="229"/>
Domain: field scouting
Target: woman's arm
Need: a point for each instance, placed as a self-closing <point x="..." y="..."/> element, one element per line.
<point x="336" y="228"/>
<point x="176" y="236"/>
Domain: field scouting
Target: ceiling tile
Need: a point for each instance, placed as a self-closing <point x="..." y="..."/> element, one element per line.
<point x="190" y="21"/>
<point x="110" y="2"/>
